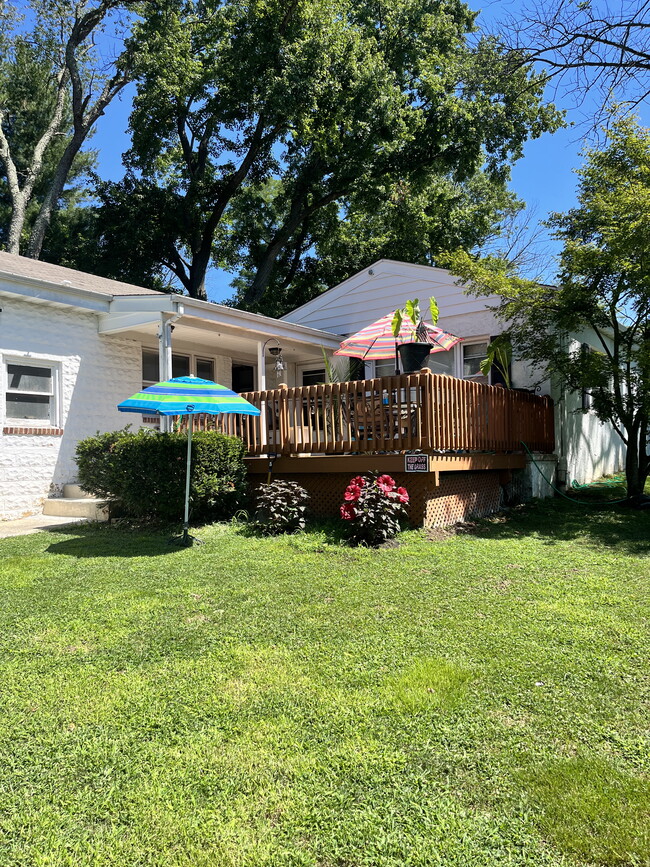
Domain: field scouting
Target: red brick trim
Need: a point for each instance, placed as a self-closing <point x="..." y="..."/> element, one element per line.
<point x="34" y="431"/>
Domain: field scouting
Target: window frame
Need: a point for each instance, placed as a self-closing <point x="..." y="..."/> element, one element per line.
<point x="474" y="377"/>
<point x="192" y="356"/>
<point x="54" y="419"/>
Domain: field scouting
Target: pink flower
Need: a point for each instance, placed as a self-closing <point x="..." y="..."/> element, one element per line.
<point x="358" y="480"/>
<point x="385" y="484"/>
<point x="348" y="512"/>
<point x="403" y="495"/>
<point x="352" y="493"/>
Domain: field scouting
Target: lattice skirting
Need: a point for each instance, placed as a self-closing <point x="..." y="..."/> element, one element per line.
<point x="460" y="496"/>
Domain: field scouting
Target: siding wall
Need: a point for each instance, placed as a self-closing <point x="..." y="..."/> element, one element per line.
<point x="591" y="448"/>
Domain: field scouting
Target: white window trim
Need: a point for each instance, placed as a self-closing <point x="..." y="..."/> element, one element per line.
<point x="472" y="341"/>
<point x="30" y="360"/>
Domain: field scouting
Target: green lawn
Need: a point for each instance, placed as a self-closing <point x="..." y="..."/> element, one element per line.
<point x="476" y="700"/>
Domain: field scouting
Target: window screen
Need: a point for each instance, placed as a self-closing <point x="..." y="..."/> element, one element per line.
<point x="180" y="365"/>
<point x="29" y="392"/>
<point x="205" y="368"/>
<point x="473" y="355"/>
<point x="314" y="377"/>
<point x="150" y="369"/>
<point x="442" y="362"/>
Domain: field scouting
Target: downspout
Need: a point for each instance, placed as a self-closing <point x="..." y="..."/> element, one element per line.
<point x="561" y="407"/>
<point x="165" y="329"/>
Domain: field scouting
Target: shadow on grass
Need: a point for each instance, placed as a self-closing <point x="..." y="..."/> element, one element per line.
<point x="592" y="809"/>
<point x="102" y="540"/>
<point x="332" y="530"/>
<point x="558" y="520"/>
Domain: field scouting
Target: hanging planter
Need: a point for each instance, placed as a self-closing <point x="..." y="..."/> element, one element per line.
<point x="413" y="355"/>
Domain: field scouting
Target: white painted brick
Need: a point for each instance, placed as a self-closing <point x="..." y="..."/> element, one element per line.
<point x="97" y="372"/>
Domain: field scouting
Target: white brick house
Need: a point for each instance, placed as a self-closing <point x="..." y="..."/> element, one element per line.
<point x="72" y="346"/>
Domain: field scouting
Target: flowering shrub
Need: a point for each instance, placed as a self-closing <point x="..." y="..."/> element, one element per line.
<point x="280" y="508"/>
<point x="373" y="505"/>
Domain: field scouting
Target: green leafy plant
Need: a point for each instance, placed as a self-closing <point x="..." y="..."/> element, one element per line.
<point x="280" y="508"/>
<point x="499" y="355"/>
<point x="144" y="473"/>
<point x="411" y="312"/>
<point x="373" y="505"/>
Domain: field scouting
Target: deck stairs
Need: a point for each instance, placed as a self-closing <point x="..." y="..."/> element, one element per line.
<point x="76" y="503"/>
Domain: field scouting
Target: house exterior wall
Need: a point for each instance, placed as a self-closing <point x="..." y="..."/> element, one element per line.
<point x="95" y="373"/>
<point x="587" y="448"/>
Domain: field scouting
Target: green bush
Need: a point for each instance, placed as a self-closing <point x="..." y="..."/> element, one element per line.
<point x="144" y="473"/>
<point x="97" y="463"/>
<point x="280" y="508"/>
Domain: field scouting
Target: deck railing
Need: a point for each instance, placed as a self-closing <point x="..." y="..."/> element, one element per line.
<point x="393" y="413"/>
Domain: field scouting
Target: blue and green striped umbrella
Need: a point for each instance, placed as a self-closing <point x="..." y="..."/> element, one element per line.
<point x="187" y="395"/>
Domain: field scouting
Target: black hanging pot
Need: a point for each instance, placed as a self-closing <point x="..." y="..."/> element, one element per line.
<point x="413" y="355"/>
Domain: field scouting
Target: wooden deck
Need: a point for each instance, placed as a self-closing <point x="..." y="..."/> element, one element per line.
<point x="460" y="424"/>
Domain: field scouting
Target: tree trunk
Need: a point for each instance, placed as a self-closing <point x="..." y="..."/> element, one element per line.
<point x="18" y="213"/>
<point x="636" y="467"/>
<point x="53" y="194"/>
<point x="198" y="269"/>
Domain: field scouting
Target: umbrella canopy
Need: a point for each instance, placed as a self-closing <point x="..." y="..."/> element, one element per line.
<point x="377" y="340"/>
<point x="187" y="395"/>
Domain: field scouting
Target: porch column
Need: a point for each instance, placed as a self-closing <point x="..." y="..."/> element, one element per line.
<point x="165" y="353"/>
<point x="261" y="386"/>
<point x="261" y="367"/>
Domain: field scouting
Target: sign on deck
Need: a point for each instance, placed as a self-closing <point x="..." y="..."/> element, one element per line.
<point x="416" y="463"/>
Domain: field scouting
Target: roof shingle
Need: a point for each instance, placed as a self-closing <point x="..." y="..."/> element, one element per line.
<point x="20" y="266"/>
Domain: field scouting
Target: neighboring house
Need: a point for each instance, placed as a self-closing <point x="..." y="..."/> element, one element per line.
<point x="586" y="447"/>
<point x="72" y="346"/>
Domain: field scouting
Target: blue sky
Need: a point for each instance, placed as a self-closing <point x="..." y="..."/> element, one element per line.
<point x="544" y="178"/>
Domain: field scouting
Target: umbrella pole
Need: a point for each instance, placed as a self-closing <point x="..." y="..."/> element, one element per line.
<point x="396" y="360"/>
<point x="188" y="477"/>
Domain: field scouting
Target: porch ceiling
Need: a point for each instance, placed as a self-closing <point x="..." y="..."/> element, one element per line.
<point x="223" y="338"/>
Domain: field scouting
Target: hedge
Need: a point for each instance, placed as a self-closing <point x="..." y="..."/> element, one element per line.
<point x="143" y="473"/>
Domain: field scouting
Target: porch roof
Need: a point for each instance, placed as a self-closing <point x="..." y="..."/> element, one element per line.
<point x="228" y="328"/>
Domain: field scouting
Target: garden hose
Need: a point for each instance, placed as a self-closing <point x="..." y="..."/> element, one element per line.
<point x="562" y="494"/>
<point x="614" y="482"/>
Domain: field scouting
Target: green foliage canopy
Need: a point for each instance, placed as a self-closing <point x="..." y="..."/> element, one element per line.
<point x="261" y="125"/>
<point x="602" y="296"/>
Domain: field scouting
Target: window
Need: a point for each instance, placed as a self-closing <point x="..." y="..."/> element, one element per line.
<point x="150" y="368"/>
<point x="30" y="393"/>
<point x="243" y="378"/>
<point x="314" y="377"/>
<point x="473" y="355"/>
<point x="205" y="368"/>
<point x="181" y="366"/>
<point x="442" y="362"/>
<point x="385" y="367"/>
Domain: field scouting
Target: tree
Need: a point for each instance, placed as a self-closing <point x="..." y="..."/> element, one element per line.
<point x="399" y="221"/>
<point x="603" y="290"/>
<point x="314" y="104"/>
<point x="585" y="43"/>
<point x="43" y="128"/>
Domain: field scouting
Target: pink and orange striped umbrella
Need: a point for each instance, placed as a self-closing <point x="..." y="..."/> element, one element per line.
<point x="377" y="341"/>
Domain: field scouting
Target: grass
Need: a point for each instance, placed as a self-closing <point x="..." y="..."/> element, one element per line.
<point x="479" y="700"/>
